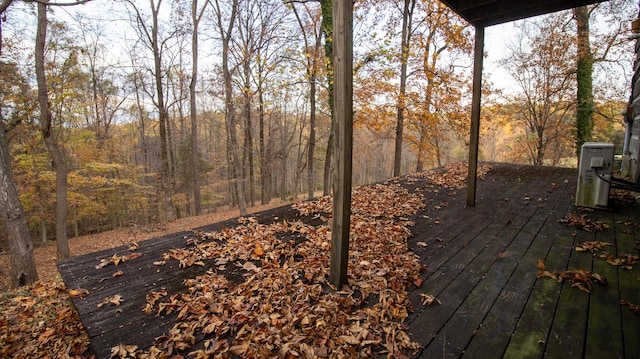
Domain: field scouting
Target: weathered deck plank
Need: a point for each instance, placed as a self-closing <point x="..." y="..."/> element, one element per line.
<point x="500" y="257"/>
<point x="497" y="327"/>
<point x="626" y="236"/>
<point x="531" y="333"/>
<point x="604" y="326"/>
<point x="568" y="331"/>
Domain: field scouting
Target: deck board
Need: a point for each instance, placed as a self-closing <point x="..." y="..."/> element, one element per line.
<point x="604" y="325"/>
<point x="532" y="330"/>
<point x="481" y="263"/>
<point x="468" y="320"/>
<point x="625" y="241"/>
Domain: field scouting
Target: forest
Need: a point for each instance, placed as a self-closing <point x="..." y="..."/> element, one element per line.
<point x="124" y="113"/>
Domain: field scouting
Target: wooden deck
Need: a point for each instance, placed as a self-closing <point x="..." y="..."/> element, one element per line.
<point x="481" y="263"/>
<point x="485" y="275"/>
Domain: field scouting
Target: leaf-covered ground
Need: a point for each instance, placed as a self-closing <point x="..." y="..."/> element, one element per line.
<point x="280" y="304"/>
<point x="38" y="322"/>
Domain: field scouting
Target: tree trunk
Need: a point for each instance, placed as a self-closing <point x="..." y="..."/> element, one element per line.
<point x="248" y="136"/>
<point x="327" y="29"/>
<point x="265" y="168"/>
<point x="404" y="56"/>
<point x="312" y="55"/>
<point x="230" y="115"/>
<point x="163" y="119"/>
<point x="23" y="265"/>
<point x="284" y="157"/>
<point x="438" y="152"/>
<point x="312" y="133"/>
<point x="541" y="149"/>
<point x="195" y="156"/>
<point x="420" y="156"/>
<point x="326" y="183"/>
<point x="584" y="118"/>
<point x="56" y="152"/>
<point x="231" y="174"/>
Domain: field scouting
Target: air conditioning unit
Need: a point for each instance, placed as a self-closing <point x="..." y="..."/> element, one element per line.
<point x="594" y="174"/>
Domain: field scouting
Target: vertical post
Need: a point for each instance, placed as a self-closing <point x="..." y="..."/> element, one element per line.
<point x="343" y="105"/>
<point x="475" y="117"/>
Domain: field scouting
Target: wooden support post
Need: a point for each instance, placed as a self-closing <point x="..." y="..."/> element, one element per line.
<point x="343" y="105"/>
<point x="475" y="117"/>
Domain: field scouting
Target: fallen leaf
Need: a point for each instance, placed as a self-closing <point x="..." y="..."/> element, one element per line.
<point x="114" y="300"/>
<point x="428" y="299"/>
<point x="123" y="351"/>
<point x="134" y="255"/>
<point x="581" y="279"/>
<point x="591" y="246"/>
<point x="239" y="349"/>
<point x="349" y="339"/>
<point x="258" y="251"/>
<point x="78" y="293"/>
<point x="36" y="321"/>
<point x="632" y="307"/>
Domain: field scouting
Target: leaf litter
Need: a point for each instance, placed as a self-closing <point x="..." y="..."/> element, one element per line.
<point x="37" y="321"/>
<point x="453" y="175"/>
<point x="283" y="305"/>
<point x="582" y="221"/>
<point x="626" y="261"/>
<point x="580" y="278"/>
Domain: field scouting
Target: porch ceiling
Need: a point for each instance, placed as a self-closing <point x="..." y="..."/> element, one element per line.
<point x="492" y="12"/>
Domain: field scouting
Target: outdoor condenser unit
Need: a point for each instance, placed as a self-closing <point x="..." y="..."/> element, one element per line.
<point x="594" y="174"/>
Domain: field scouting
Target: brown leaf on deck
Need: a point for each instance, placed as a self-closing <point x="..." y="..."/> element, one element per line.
<point x="591" y="246"/>
<point x="78" y="293"/>
<point x="581" y="279"/>
<point x="583" y="222"/>
<point x="116" y="299"/>
<point x="632" y="307"/>
<point x="428" y="299"/>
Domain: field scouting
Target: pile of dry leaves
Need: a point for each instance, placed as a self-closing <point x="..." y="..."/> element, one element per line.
<point x="623" y="199"/>
<point x="379" y="200"/>
<point x="38" y="322"/>
<point x="268" y="295"/>
<point x="453" y="175"/>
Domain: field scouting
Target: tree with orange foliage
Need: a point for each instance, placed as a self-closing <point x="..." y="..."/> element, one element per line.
<point x="540" y="62"/>
<point x="432" y="97"/>
<point x="446" y="44"/>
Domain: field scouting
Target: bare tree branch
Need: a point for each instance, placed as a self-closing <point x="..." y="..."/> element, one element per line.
<point x="45" y="2"/>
